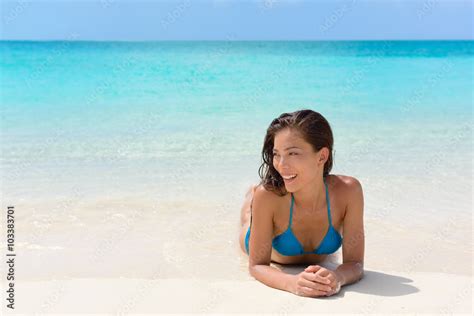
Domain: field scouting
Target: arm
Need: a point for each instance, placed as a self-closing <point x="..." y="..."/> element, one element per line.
<point x="272" y="277"/>
<point x="260" y="242"/>
<point x="352" y="268"/>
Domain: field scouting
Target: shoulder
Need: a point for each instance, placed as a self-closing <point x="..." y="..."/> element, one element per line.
<point x="265" y="204"/>
<point x="267" y="196"/>
<point x="345" y="184"/>
<point x="352" y="184"/>
<point x="266" y="200"/>
<point x="349" y="189"/>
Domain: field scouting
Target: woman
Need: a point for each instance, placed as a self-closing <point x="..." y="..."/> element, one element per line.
<point x="297" y="212"/>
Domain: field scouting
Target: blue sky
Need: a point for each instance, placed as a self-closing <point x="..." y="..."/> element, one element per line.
<point x="236" y="20"/>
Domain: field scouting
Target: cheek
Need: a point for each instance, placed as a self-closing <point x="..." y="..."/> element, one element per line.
<point x="306" y="168"/>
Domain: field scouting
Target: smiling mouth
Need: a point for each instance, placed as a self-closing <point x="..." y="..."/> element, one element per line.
<point x="289" y="177"/>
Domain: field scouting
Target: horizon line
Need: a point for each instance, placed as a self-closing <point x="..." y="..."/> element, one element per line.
<point x="242" y="40"/>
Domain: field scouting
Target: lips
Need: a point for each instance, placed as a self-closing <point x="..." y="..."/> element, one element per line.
<point x="289" y="178"/>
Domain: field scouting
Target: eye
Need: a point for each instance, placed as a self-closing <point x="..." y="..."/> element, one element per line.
<point x="293" y="154"/>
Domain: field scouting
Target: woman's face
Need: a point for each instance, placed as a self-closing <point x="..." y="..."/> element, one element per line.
<point x="295" y="159"/>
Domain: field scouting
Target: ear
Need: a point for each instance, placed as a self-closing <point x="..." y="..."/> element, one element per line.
<point x="323" y="155"/>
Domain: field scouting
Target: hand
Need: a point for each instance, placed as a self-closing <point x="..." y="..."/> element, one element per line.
<point x="333" y="277"/>
<point x="310" y="284"/>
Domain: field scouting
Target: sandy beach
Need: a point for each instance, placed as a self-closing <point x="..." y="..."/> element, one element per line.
<point x="192" y="268"/>
<point x="379" y="292"/>
<point x="127" y="179"/>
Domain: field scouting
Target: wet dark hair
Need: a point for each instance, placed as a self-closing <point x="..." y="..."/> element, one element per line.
<point x="314" y="129"/>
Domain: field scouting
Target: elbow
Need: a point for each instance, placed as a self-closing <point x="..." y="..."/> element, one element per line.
<point x="361" y="267"/>
<point x="254" y="268"/>
<point x="357" y="270"/>
<point x="251" y="268"/>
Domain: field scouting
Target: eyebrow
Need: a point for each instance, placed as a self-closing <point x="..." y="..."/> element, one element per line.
<point x="288" y="148"/>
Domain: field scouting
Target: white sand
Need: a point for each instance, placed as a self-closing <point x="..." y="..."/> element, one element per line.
<point x="182" y="255"/>
<point x="378" y="292"/>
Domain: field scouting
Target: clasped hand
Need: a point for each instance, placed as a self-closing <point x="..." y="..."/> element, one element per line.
<point x="316" y="281"/>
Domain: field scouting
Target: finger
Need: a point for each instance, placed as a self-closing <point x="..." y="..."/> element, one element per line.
<point x="312" y="268"/>
<point x="314" y="285"/>
<point x="309" y="292"/>
<point x="315" y="278"/>
<point x="333" y="281"/>
<point x="323" y="272"/>
<point x="303" y="291"/>
<point x="335" y="290"/>
<point x="331" y="278"/>
<point x="336" y="287"/>
<point x="330" y="293"/>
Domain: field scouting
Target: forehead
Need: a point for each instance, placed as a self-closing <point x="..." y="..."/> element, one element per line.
<point x="288" y="137"/>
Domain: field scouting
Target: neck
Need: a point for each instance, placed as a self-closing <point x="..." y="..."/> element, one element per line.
<point x="312" y="197"/>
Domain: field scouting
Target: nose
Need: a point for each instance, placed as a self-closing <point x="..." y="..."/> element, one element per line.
<point x="281" y="163"/>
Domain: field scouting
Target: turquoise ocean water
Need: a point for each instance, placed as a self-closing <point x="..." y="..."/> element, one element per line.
<point x="71" y="104"/>
<point x="181" y="124"/>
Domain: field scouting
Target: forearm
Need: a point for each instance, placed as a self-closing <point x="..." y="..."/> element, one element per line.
<point x="350" y="272"/>
<point x="272" y="277"/>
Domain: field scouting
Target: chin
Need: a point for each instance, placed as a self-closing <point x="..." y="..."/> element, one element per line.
<point x="291" y="189"/>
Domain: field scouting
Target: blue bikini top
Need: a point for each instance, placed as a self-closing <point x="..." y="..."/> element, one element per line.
<point x="287" y="244"/>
